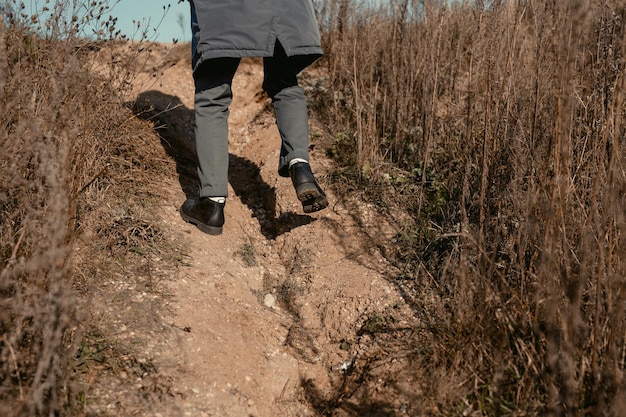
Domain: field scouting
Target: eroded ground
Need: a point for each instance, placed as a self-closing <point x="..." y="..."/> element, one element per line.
<point x="271" y="317"/>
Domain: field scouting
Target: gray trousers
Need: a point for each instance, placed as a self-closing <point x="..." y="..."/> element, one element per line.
<point x="213" y="95"/>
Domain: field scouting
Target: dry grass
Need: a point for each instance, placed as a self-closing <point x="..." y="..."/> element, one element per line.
<point x="64" y="144"/>
<point x="499" y="126"/>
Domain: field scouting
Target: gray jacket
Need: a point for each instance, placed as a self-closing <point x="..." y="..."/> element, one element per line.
<point x="250" y="28"/>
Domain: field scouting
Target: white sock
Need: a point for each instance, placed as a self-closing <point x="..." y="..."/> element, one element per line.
<point x="294" y="160"/>
<point x="220" y="200"/>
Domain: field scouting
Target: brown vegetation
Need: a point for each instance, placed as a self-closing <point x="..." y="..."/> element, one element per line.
<point x="64" y="136"/>
<point x="499" y="127"/>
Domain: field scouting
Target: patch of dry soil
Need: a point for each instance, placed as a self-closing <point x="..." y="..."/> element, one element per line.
<point x="263" y="320"/>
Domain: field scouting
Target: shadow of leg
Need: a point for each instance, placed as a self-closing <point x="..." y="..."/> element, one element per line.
<point x="174" y="123"/>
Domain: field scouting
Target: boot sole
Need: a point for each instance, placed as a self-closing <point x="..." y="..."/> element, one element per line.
<point x="311" y="198"/>
<point x="210" y="230"/>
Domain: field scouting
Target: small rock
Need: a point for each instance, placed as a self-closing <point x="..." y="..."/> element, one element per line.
<point x="269" y="301"/>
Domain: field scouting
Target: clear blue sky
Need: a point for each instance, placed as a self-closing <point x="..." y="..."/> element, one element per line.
<point x="150" y="12"/>
<point x="164" y="24"/>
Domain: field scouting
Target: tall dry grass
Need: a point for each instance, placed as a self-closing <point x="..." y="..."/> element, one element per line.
<point x="59" y="125"/>
<point x="499" y="126"/>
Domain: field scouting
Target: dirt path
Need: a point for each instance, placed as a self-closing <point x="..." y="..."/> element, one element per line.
<point x="265" y="317"/>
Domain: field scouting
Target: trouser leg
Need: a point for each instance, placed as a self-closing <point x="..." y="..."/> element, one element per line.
<point x="213" y="95"/>
<point x="290" y="107"/>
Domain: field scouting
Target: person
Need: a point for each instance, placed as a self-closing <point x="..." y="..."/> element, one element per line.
<point x="285" y="33"/>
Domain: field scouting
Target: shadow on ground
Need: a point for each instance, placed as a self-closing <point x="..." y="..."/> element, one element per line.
<point x="357" y="393"/>
<point x="174" y="122"/>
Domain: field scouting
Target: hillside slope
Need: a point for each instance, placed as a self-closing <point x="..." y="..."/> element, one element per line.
<point x="268" y="318"/>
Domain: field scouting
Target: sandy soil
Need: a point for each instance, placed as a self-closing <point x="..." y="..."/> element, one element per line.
<point x="265" y="319"/>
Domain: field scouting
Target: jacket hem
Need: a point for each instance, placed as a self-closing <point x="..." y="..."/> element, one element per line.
<point x="314" y="51"/>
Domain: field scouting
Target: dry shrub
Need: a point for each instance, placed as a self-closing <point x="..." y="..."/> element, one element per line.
<point x="506" y="121"/>
<point x="58" y="123"/>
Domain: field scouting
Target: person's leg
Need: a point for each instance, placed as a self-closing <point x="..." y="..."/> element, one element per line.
<point x="213" y="96"/>
<point x="290" y="107"/>
<point x="281" y="84"/>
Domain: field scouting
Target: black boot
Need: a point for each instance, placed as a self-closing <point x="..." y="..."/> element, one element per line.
<point x="205" y="213"/>
<point x="307" y="189"/>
